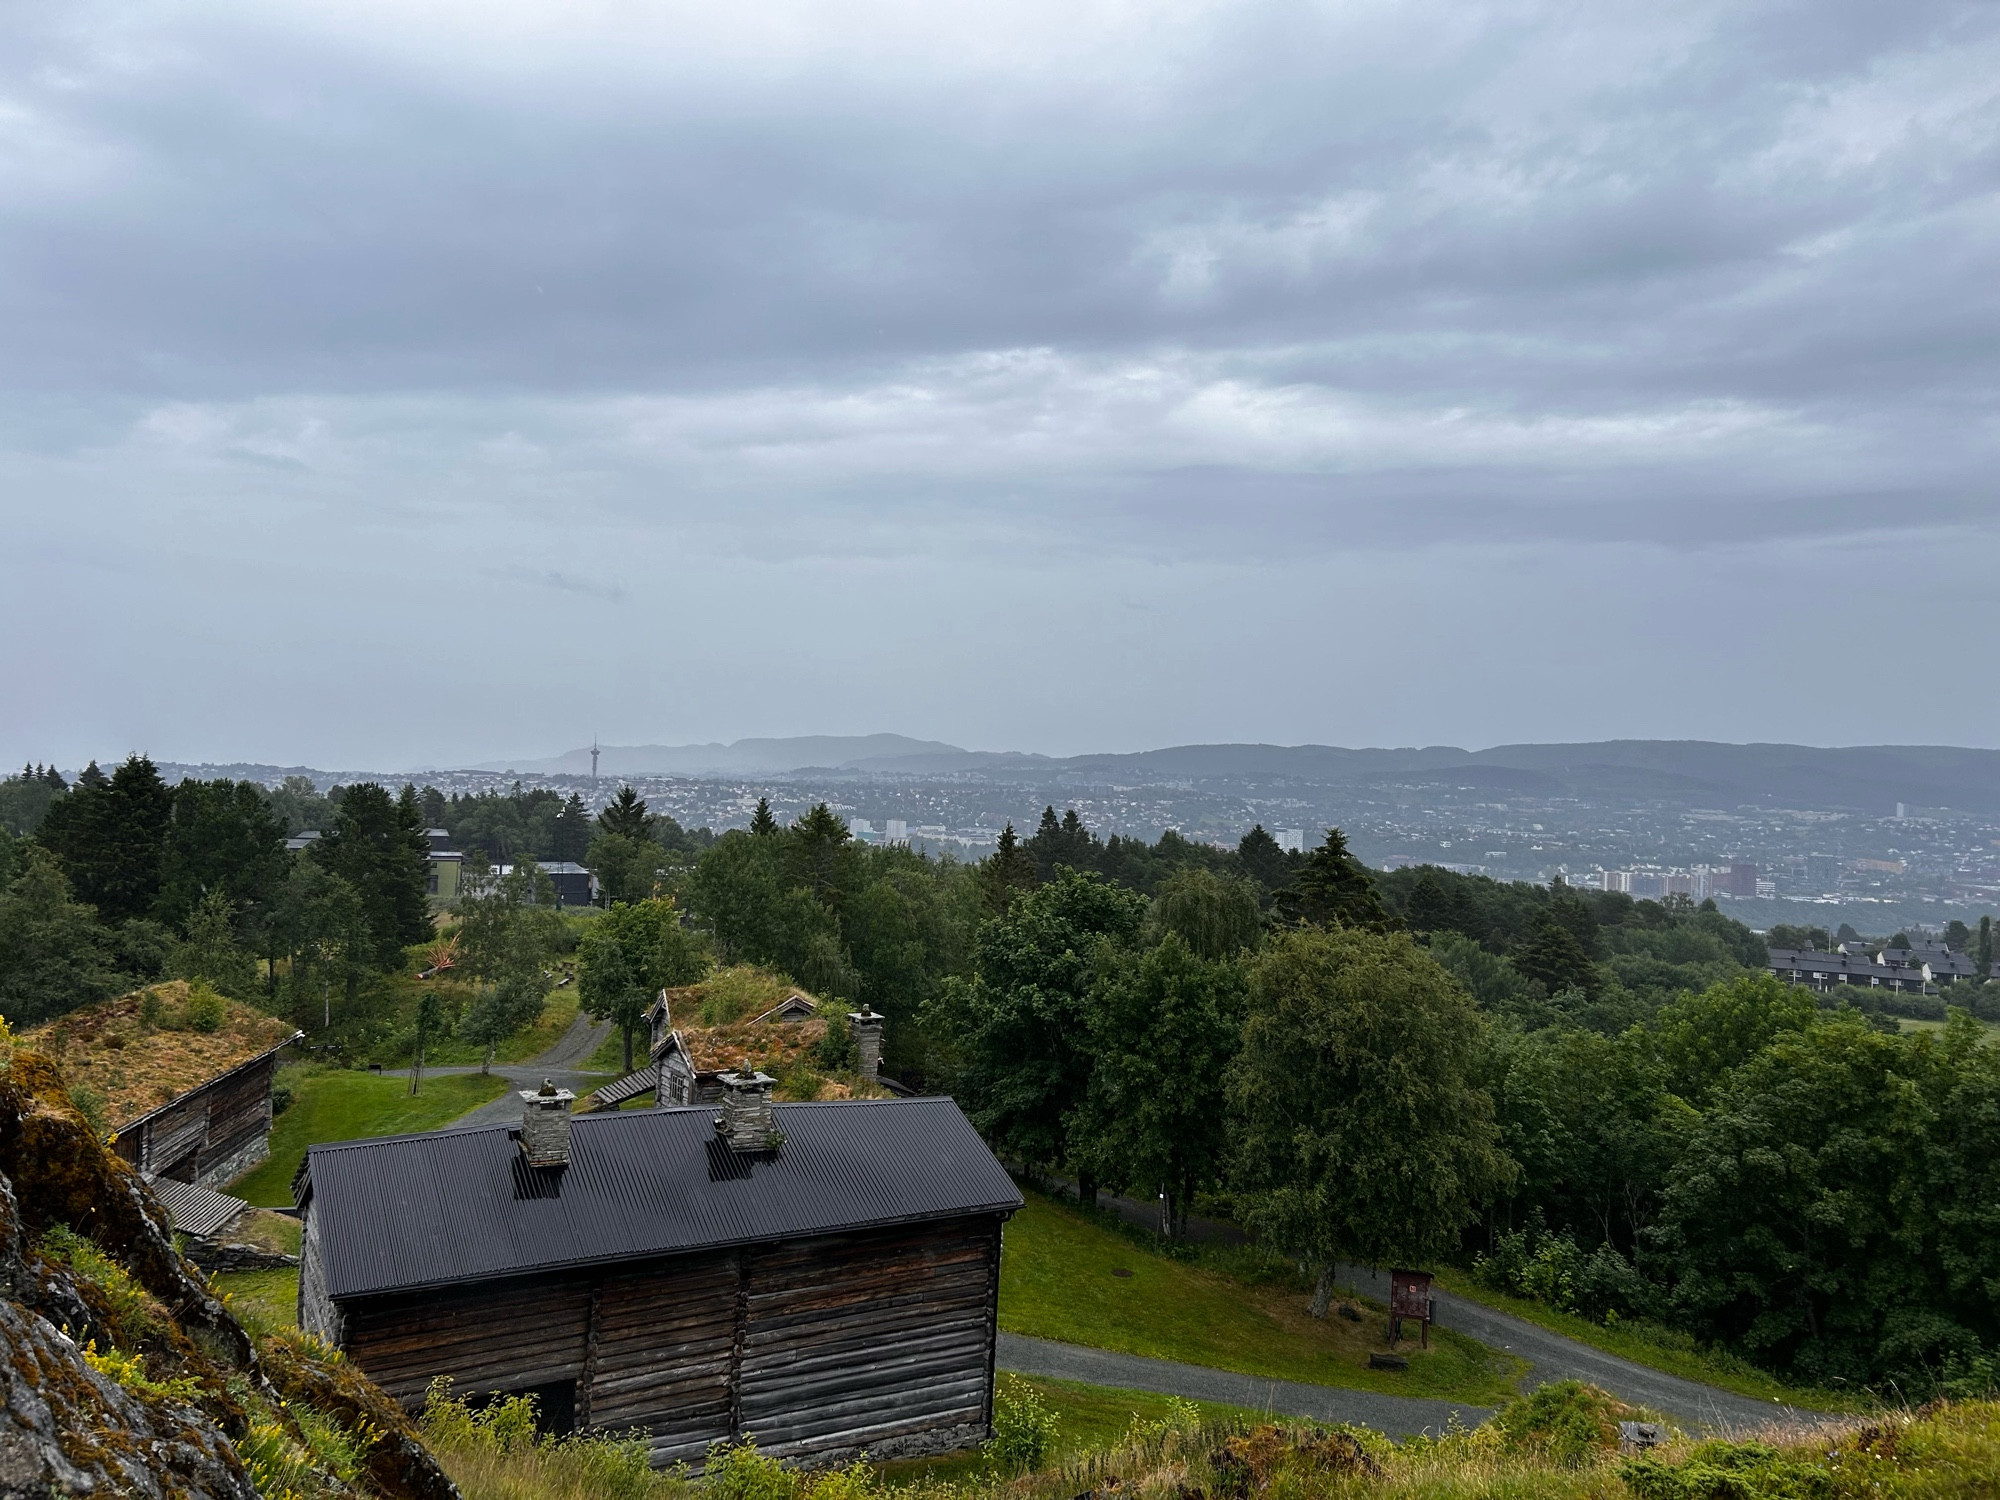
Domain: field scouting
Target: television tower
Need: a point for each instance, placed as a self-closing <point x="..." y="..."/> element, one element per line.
<point x="593" y="765"/>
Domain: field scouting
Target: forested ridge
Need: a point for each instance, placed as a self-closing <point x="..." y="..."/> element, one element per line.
<point x="1600" y="1102"/>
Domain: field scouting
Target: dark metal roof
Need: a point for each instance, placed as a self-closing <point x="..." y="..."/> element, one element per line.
<point x="194" y="1209"/>
<point x="463" y="1205"/>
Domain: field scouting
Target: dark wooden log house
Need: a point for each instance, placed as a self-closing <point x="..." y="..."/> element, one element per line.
<point x="823" y="1277"/>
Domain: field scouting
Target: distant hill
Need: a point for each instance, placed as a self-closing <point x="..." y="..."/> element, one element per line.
<point x="1863" y="778"/>
<point x="741" y="758"/>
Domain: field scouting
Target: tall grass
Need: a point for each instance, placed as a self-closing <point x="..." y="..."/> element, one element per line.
<point x="1561" y="1445"/>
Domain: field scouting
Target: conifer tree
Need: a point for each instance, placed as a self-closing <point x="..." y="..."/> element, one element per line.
<point x="1333" y="890"/>
<point x="761" y="821"/>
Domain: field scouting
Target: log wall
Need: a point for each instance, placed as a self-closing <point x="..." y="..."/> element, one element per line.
<point x="820" y="1349"/>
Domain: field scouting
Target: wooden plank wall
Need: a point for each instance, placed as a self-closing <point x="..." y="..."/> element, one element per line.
<point x="879" y="1341"/>
<point x="239" y="1110"/>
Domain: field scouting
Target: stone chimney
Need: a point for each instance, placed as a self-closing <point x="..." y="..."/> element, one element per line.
<point x="746" y="1121"/>
<point x="545" y="1125"/>
<point x="867" y="1028"/>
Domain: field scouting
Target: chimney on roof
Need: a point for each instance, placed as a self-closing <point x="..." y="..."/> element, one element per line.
<point x="746" y="1121"/>
<point x="867" y="1028"/>
<point x="545" y="1125"/>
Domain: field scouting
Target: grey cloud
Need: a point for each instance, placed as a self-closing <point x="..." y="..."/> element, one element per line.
<point x="993" y="308"/>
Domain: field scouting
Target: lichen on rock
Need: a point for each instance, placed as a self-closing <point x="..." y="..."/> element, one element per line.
<point x="124" y="1373"/>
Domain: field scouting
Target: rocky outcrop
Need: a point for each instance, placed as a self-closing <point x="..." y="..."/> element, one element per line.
<point x="122" y="1373"/>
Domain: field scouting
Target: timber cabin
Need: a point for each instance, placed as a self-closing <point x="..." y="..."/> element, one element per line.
<point x="824" y="1277"/>
<point x="188" y="1106"/>
<point x="687" y="1067"/>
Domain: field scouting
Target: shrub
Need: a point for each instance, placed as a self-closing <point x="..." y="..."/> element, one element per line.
<point x="1566" y="1421"/>
<point x="737" y="1471"/>
<point x="204" y="1010"/>
<point x="1728" y="1471"/>
<point x="1024" y="1430"/>
<point x="1552" y="1269"/>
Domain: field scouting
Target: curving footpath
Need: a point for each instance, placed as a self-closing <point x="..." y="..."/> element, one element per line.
<point x="560" y="1063"/>
<point x="1399" y="1416"/>
<point x="1552" y="1357"/>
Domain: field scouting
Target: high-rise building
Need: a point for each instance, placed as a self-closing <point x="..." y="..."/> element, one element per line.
<point x="896" y="830"/>
<point x="1291" y="840"/>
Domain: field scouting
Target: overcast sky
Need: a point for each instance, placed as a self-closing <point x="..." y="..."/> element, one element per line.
<point x="387" y="383"/>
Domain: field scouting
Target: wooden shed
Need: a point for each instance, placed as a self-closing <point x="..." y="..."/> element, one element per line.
<point x="187" y="1105"/>
<point x="823" y="1277"/>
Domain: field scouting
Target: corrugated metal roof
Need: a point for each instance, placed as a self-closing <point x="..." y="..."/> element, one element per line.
<point x="462" y="1205"/>
<point x="194" y="1209"/>
<point x="631" y="1086"/>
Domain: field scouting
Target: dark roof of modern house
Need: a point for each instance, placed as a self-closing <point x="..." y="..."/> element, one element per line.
<point x="1812" y="961"/>
<point x="417" y="1211"/>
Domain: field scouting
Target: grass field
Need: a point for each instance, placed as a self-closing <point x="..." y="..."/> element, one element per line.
<point x="263" y="1301"/>
<point x="1068" y="1278"/>
<point x="1659" y="1348"/>
<point x="332" y="1104"/>
<point x="1089" y="1418"/>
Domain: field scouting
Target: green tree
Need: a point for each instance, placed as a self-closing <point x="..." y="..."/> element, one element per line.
<point x="210" y="951"/>
<point x="1164" y="1031"/>
<point x="1436" y="905"/>
<point x="627" y="866"/>
<point x="319" y="923"/>
<point x="821" y="855"/>
<point x="762" y="823"/>
<point x="1551" y="955"/>
<point x="109" y="835"/>
<point x="628" y="956"/>
<point x="745" y="889"/>
<point x="1024" y="1025"/>
<point x="430" y="1022"/>
<point x="1833" y="1214"/>
<point x="571" y="830"/>
<point x="1361" y="1129"/>
<point x="1263" y="861"/>
<point x="625" y="815"/>
<point x="377" y="846"/>
<point x="220" y="836"/>
<point x="54" y="953"/>
<point x="1006" y="873"/>
<point x="1983" y="950"/>
<point x="1216" y="916"/>
<point x="1702" y="1038"/>
<point x="1063" y="843"/>
<point x="1331" y="889"/>
<point x="25" y="799"/>
<point x="508" y="935"/>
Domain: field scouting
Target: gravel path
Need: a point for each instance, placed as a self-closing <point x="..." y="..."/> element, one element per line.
<point x="558" y="1064"/>
<point x="1550" y="1356"/>
<point x="1399" y="1416"/>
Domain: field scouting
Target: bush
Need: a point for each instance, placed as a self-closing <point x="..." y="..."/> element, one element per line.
<point x="1552" y="1269"/>
<point x="281" y="1098"/>
<point x="1567" y="1422"/>
<point x="1024" y="1430"/>
<point x="1727" y="1471"/>
<point x="205" y="1009"/>
<point x="737" y="1471"/>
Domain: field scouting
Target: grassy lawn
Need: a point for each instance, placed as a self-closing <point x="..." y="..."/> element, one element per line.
<point x="1664" y="1349"/>
<point x="1089" y="1419"/>
<point x="1060" y="1278"/>
<point x="332" y="1104"/>
<point x="263" y="1301"/>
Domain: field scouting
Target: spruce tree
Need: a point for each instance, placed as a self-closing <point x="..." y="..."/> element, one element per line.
<point x="761" y="822"/>
<point x="1333" y="890"/>
<point x="626" y="814"/>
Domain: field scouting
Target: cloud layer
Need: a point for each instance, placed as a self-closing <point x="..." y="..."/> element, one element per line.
<point x="1157" y="349"/>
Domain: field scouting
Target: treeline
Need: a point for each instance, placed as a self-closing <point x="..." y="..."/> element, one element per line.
<point x="1603" y="1102"/>
<point x="125" y="879"/>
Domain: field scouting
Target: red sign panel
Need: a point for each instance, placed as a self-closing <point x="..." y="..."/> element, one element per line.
<point x="1410" y="1294"/>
